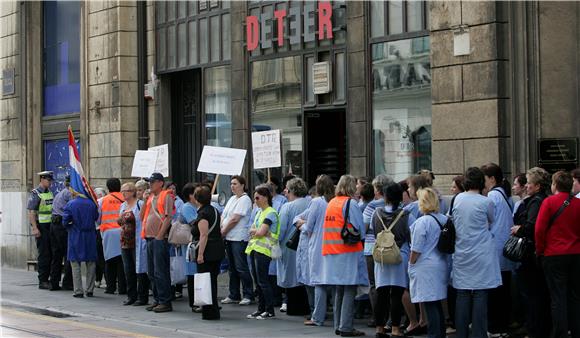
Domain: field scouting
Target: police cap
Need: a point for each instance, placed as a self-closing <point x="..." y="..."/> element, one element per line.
<point x="46" y="174"/>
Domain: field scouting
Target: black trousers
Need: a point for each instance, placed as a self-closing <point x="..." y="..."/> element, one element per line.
<point x="389" y="300"/>
<point x="537" y="299"/>
<point x="137" y="283"/>
<point x="190" y="289"/>
<point x="44" y="252"/>
<point x="100" y="270"/>
<point x="114" y="273"/>
<point x="499" y="305"/>
<point x="211" y="312"/>
<point x="563" y="279"/>
<point x="58" y="245"/>
<point x="436" y="318"/>
<point x="372" y="290"/>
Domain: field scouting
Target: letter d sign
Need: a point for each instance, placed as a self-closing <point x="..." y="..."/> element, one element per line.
<point x="252" y="32"/>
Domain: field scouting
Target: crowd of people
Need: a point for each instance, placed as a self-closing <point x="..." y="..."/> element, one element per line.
<point x="305" y="249"/>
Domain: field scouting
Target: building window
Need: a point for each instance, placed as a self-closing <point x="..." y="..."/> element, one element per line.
<point x="276" y="104"/>
<point x="395" y="18"/>
<point x="56" y="160"/>
<point x="61" y="57"/>
<point x="218" y="114"/>
<point x="401" y="100"/>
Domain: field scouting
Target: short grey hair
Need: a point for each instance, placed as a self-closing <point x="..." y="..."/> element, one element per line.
<point x="100" y="192"/>
<point x="380" y="182"/>
<point x="297" y="186"/>
<point x="142" y="184"/>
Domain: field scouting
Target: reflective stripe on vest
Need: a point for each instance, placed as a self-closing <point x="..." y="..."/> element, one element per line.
<point x="160" y="208"/>
<point x="110" y="207"/>
<point x="263" y="244"/>
<point x="45" y="207"/>
<point x="332" y="243"/>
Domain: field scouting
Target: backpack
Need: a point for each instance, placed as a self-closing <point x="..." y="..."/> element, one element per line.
<point x="386" y="250"/>
<point x="446" y="242"/>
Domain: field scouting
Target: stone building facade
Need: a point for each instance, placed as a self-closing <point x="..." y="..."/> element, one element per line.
<point x="400" y="100"/>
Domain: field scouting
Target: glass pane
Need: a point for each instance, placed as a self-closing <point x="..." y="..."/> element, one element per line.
<point x="182" y="9"/>
<point x="192" y="7"/>
<point x="161" y="49"/>
<point x="286" y="42"/>
<point x="401" y="107"/>
<point x="203" y="41"/>
<point x="171" y="47"/>
<point x="170" y="11"/>
<point x="255" y="12"/>
<point x="182" y="46"/>
<point x="193" y="42"/>
<point x="377" y="19"/>
<point x="226" y="36"/>
<point x="160" y="10"/>
<point x="414" y="16"/>
<point x="309" y="84"/>
<point x="395" y="17"/>
<point x="276" y="104"/>
<point x="340" y="79"/>
<point x="215" y="38"/>
<point x="225" y="4"/>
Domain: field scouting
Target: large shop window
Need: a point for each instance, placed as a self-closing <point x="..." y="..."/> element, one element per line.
<point x="61" y="55"/>
<point x="276" y="99"/>
<point x="401" y="107"/>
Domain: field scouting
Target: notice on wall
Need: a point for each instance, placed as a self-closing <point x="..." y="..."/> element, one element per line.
<point x="220" y="160"/>
<point x="461" y="44"/>
<point x="144" y="163"/>
<point x="266" y="149"/>
<point x="162" y="163"/>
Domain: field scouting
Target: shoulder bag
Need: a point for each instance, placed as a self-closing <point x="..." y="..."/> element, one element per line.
<point x="350" y="235"/>
<point x="191" y="255"/>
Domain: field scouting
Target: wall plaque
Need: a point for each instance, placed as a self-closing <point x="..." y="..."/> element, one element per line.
<point x="558" y="150"/>
<point x="8" y="86"/>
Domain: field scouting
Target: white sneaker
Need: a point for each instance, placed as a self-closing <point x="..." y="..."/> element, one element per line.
<point x="228" y="300"/>
<point x="284" y="307"/>
<point x="245" y="301"/>
<point x="265" y="315"/>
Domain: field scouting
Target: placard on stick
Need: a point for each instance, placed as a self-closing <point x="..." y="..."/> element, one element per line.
<point x="266" y="149"/>
<point x="144" y="163"/>
<point x="220" y="160"/>
<point x="162" y="163"/>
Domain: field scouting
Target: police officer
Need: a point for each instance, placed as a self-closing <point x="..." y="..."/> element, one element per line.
<point x="58" y="241"/>
<point x="40" y="214"/>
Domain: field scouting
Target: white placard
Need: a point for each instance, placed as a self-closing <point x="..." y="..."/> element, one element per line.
<point x="266" y="149"/>
<point x="321" y="77"/>
<point x="220" y="160"/>
<point x="144" y="163"/>
<point x="162" y="164"/>
<point x="461" y="43"/>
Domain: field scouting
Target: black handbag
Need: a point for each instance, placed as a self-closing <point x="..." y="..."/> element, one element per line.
<point x="349" y="234"/>
<point x="292" y="243"/>
<point x="446" y="242"/>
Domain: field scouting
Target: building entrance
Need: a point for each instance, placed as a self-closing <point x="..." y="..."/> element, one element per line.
<point x="185" y="122"/>
<point x="325" y="144"/>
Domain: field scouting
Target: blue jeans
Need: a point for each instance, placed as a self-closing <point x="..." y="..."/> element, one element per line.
<point x="239" y="270"/>
<point x="344" y="307"/>
<point x="158" y="270"/>
<point x="471" y="306"/>
<point x="310" y="294"/>
<point x="260" y="266"/>
<point x="436" y="318"/>
<point x="320" y="297"/>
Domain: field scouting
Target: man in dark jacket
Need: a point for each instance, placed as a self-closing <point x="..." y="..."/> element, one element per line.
<point x="79" y="219"/>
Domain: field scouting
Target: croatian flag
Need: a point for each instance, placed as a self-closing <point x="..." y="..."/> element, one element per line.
<point x="78" y="182"/>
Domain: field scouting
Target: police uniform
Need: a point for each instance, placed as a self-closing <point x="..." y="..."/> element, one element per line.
<point x="40" y="200"/>
<point x="58" y="242"/>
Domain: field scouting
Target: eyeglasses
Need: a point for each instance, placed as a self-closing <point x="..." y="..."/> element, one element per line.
<point x="127" y="191"/>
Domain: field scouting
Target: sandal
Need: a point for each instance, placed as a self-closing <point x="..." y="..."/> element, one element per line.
<point x="310" y="323"/>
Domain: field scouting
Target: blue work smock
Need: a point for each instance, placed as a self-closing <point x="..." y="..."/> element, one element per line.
<point x="79" y="216"/>
<point x="286" y="265"/>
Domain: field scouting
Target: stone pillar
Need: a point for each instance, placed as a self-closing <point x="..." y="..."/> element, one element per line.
<point x="469" y="93"/>
<point x="112" y="89"/>
<point x="358" y="121"/>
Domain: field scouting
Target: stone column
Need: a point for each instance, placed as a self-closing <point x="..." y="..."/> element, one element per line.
<point x="469" y="93"/>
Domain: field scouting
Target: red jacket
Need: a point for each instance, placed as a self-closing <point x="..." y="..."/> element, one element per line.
<point x="563" y="237"/>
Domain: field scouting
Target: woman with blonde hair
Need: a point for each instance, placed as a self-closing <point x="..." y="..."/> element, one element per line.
<point x="428" y="270"/>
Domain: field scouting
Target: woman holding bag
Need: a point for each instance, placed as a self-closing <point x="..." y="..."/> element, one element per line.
<point x="188" y="214"/>
<point x="206" y="231"/>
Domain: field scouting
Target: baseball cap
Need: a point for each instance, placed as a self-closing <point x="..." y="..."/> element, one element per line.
<point x="155" y="177"/>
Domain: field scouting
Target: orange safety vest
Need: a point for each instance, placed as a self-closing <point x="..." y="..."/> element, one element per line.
<point x="160" y="208"/>
<point x="332" y="243"/>
<point x="110" y="207"/>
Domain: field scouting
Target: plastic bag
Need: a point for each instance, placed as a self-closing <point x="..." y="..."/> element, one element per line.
<point x="177" y="268"/>
<point x="202" y="292"/>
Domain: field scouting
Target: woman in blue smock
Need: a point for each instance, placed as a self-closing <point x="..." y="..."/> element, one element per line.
<point x="391" y="279"/>
<point x="339" y="257"/>
<point x="475" y="261"/>
<point x="428" y="270"/>
<point x="311" y="224"/>
<point x="188" y="214"/>
<point x="499" y="192"/>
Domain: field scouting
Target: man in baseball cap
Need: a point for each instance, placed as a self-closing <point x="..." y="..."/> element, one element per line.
<point x="155" y="177"/>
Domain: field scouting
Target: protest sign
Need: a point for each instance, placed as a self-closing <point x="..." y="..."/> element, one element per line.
<point x="266" y="149"/>
<point x="220" y="160"/>
<point x="162" y="164"/>
<point x="144" y="163"/>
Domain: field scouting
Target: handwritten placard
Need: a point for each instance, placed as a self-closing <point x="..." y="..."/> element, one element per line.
<point x="220" y="160"/>
<point x="144" y="163"/>
<point x="162" y="164"/>
<point x="266" y="149"/>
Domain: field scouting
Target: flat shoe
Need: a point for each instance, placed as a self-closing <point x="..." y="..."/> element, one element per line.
<point x="78" y="295"/>
<point x="309" y="323"/>
<point x="417" y="331"/>
<point x="140" y="303"/>
<point x="353" y="333"/>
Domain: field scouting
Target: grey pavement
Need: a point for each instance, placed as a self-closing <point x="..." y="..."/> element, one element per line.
<point x="19" y="293"/>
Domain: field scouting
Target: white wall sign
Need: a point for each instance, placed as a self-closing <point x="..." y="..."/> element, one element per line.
<point x="266" y="149"/>
<point x="321" y="77"/>
<point x="144" y="163"/>
<point x="220" y="160"/>
<point x="461" y="42"/>
<point x="162" y="163"/>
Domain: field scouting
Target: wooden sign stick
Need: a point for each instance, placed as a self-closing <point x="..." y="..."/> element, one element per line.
<point x="215" y="182"/>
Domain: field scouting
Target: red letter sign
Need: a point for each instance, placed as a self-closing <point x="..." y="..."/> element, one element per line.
<point x="324" y="15"/>
<point x="280" y="15"/>
<point x="252" y="32"/>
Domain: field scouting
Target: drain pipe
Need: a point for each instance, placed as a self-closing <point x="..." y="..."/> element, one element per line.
<point x="143" y="128"/>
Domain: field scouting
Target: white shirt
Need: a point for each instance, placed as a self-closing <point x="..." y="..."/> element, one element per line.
<point x="238" y="206"/>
